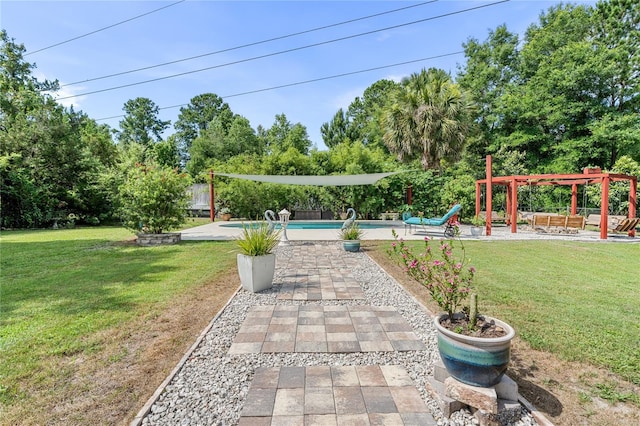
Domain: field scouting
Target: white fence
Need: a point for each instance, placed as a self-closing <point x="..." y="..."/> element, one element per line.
<point x="200" y="199"/>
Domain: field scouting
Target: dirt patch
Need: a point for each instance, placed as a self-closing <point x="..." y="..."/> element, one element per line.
<point x="563" y="391"/>
<point x="155" y="346"/>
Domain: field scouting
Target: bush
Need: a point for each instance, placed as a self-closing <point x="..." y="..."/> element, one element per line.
<point x="154" y="199"/>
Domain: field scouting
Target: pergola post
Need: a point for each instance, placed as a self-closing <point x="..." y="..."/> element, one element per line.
<point x="212" y="209"/>
<point x="574" y="199"/>
<point x="488" y="197"/>
<point x="507" y="213"/>
<point x="633" y="190"/>
<point x="604" y="208"/>
<point x="478" y="207"/>
<point x="514" y="206"/>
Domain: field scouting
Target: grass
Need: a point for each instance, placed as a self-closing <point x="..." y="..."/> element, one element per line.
<point x="69" y="296"/>
<point x="580" y="301"/>
<point x="65" y="293"/>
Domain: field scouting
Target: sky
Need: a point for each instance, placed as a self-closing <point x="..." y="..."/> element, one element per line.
<point x="261" y="57"/>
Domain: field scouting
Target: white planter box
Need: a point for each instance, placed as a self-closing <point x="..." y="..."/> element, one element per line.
<point x="256" y="272"/>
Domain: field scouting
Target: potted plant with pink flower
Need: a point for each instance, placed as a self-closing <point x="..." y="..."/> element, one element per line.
<point x="475" y="349"/>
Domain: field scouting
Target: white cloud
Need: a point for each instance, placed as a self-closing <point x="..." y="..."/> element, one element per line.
<point x="344" y="100"/>
<point x="65" y="92"/>
<point x="396" y="78"/>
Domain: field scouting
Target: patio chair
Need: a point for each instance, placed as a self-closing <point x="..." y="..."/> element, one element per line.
<point x="447" y="220"/>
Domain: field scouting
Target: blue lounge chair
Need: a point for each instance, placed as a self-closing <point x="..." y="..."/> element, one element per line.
<point x="449" y="230"/>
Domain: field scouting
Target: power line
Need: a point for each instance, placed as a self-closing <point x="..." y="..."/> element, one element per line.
<point x="103" y="28"/>
<point x="315" y="80"/>
<point x="282" y="51"/>
<point x="249" y="44"/>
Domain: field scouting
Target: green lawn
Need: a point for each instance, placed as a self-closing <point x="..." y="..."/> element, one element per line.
<point x="63" y="290"/>
<point x="578" y="300"/>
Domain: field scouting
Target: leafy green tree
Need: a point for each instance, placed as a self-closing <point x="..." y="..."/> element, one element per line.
<point x="196" y="118"/>
<point x="618" y="191"/>
<point x="365" y="113"/>
<point x="616" y="33"/>
<point x="283" y="135"/>
<point x="427" y="119"/>
<point x="22" y="199"/>
<point x="337" y="130"/>
<point x="489" y="75"/>
<point x="154" y="199"/>
<point x="141" y="123"/>
<point x="568" y="98"/>
<point x="361" y="121"/>
<point x="220" y="142"/>
<point x="51" y="156"/>
<point x="166" y="153"/>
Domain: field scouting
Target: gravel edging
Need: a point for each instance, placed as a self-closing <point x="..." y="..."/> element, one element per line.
<point x="210" y="387"/>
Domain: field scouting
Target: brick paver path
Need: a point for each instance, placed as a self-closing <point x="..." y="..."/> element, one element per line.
<point x="320" y="284"/>
<point x="327" y="395"/>
<point x="317" y="328"/>
<point x="322" y="395"/>
<point x="317" y="256"/>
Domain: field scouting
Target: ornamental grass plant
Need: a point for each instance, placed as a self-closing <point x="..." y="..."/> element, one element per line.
<point x="351" y="232"/>
<point x="257" y="240"/>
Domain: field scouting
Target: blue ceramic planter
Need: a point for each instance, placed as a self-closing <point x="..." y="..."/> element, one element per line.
<point x="351" y="245"/>
<point x="475" y="361"/>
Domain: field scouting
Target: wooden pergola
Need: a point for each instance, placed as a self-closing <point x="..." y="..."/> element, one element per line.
<point x="589" y="176"/>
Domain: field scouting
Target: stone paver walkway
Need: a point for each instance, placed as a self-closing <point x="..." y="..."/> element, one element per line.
<point x="320" y="284"/>
<point x="317" y="256"/>
<point x="323" y="395"/>
<point x="317" y="328"/>
<point x="301" y="321"/>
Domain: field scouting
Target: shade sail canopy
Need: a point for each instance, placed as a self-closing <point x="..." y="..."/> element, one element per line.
<point x="331" y="180"/>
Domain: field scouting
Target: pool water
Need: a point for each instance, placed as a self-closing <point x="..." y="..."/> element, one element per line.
<point x="326" y="224"/>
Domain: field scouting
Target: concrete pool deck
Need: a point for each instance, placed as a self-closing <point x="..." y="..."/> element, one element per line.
<point x="217" y="231"/>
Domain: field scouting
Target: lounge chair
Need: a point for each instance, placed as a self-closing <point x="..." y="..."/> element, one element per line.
<point x="449" y="229"/>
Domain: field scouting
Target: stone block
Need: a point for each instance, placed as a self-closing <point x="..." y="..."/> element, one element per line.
<point x="509" y="411"/>
<point x="486" y="419"/>
<point x="149" y="240"/>
<point x="440" y="373"/>
<point x="447" y="405"/>
<point x="481" y="398"/>
<point x="507" y="389"/>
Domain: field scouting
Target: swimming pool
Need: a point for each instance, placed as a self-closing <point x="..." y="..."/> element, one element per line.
<point x="325" y="224"/>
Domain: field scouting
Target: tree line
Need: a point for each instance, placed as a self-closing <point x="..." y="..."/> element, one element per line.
<point x="563" y="97"/>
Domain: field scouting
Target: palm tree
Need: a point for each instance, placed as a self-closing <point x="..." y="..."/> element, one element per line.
<point x="428" y="117"/>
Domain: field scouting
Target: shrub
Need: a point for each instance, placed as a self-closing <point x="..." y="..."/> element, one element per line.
<point x="154" y="199"/>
